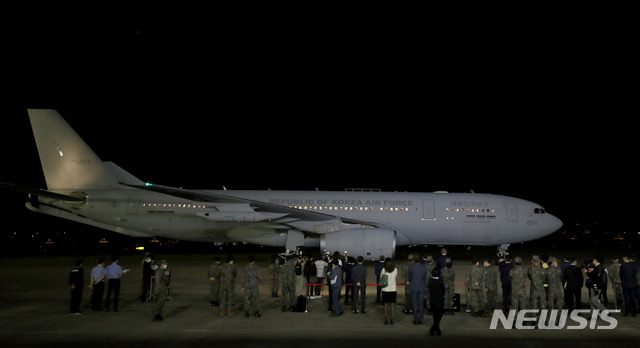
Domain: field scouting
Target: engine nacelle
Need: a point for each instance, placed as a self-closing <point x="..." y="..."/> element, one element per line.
<point x="369" y="243"/>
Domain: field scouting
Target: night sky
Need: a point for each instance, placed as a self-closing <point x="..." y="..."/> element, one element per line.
<point x="400" y="106"/>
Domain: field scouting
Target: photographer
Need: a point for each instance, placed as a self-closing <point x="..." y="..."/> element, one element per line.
<point x="595" y="277"/>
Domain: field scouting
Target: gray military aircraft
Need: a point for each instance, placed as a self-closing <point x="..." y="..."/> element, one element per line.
<point x="84" y="189"/>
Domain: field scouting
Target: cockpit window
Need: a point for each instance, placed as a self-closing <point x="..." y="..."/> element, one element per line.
<point x="539" y="211"/>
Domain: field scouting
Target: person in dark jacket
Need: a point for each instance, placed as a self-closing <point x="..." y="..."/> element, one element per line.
<point x="76" y="283"/>
<point x="628" y="278"/>
<point x="336" y="282"/>
<point x="359" y="278"/>
<point x="572" y="281"/>
<point x="417" y="283"/>
<point x="348" y="280"/>
<point x="595" y="276"/>
<point x="505" y="268"/>
<point x="436" y="297"/>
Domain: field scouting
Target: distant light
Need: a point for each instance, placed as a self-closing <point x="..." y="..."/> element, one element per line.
<point x="148" y="184"/>
<point x="139" y="248"/>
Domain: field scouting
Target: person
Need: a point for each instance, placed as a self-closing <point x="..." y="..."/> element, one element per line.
<point x="348" y="280"/>
<point x="436" y="295"/>
<point x="614" y="276"/>
<point x="538" y="277"/>
<point x="594" y="283"/>
<point x="572" y="281"/>
<point x="440" y="262"/>
<point x="147" y="273"/>
<point x="161" y="287"/>
<point x="377" y="269"/>
<point x="98" y="277"/>
<point x="301" y="284"/>
<point x="491" y="294"/>
<point x="288" y="283"/>
<point x="228" y="275"/>
<point x="475" y="286"/>
<point x="359" y="277"/>
<point x="251" y="281"/>
<point x="404" y="273"/>
<point x="417" y="284"/>
<point x="448" y="277"/>
<point x="309" y="272"/>
<point x="389" y="292"/>
<point x="517" y="276"/>
<point x="321" y="269"/>
<point x="505" y="267"/>
<point x="628" y="278"/>
<point x="430" y="265"/>
<point x="274" y="275"/>
<point x="214" y="282"/>
<point x="336" y="287"/>
<point x="76" y="284"/>
<point x="114" y="273"/>
<point x="555" y="294"/>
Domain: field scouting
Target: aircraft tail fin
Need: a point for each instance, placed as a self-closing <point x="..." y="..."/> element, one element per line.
<point x="67" y="161"/>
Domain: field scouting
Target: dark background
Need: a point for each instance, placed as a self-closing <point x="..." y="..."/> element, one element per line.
<point x="256" y="98"/>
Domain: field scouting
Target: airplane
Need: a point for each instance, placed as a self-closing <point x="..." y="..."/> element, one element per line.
<point x="87" y="190"/>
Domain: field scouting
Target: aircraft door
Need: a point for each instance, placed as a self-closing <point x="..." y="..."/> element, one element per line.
<point x="511" y="212"/>
<point x="428" y="209"/>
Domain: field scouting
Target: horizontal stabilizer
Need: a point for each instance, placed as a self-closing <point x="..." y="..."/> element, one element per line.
<point x="40" y="192"/>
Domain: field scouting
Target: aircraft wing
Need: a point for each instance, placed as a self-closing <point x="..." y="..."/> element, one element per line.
<point x="305" y="220"/>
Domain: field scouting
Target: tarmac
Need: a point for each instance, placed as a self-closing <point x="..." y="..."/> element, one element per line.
<point x="34" y="312"/>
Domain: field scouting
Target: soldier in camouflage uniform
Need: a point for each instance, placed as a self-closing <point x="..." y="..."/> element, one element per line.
<point x="288" y="283"/>
<point x="538" y="277"/>
<point x="554" y="279"/>
<point x="161" y="286"/>
<point x="614" y="275"/>
<point x="475" y="286"/>
<point x="448" y="275"/>
<point x="518" y="275"/>
<point x="408" y="304"/>
<point x="430" y="265"/>
<point x="274" y="276"/>
<point x="251" y="281"/>
<point x="214" y="282"/>
<point x="227" y="287"/>
<point x="491" y="295"/>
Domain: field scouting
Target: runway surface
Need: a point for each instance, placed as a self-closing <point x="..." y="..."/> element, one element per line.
<point x="34" y="312"/>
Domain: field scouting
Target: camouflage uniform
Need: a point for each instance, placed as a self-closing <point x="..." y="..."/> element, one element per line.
<point x="556" y="292"/>
<point x="288" y="284"/>
<point x="408" y="304"/>
<point x="538" y="277"/>
<point x="492" y="275"/>
<point x="274" y="276"/>
<point x="160" y="292"/>
<point x="448" y="275"/>
<point x="251" y="281"/>
<point x="518" y="275"/>
<point x="616" y="284"/>
<point x="475" y="286"/>
<point x="429" y="266"/>
<point x="228" y="274"/>
<point x="214" y="285"/>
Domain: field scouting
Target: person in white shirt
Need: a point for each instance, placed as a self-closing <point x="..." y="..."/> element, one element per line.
<point x="389" y="292"/>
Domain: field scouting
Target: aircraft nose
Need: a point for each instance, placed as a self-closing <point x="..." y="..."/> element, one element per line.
<point x="554" y="223"/>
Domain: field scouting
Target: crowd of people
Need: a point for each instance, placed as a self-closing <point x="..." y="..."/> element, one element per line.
<point x="553" y="284"/>
<point x="429" y="284"/>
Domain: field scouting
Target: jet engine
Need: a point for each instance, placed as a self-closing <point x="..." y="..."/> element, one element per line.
<point x="369" y="243"/>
